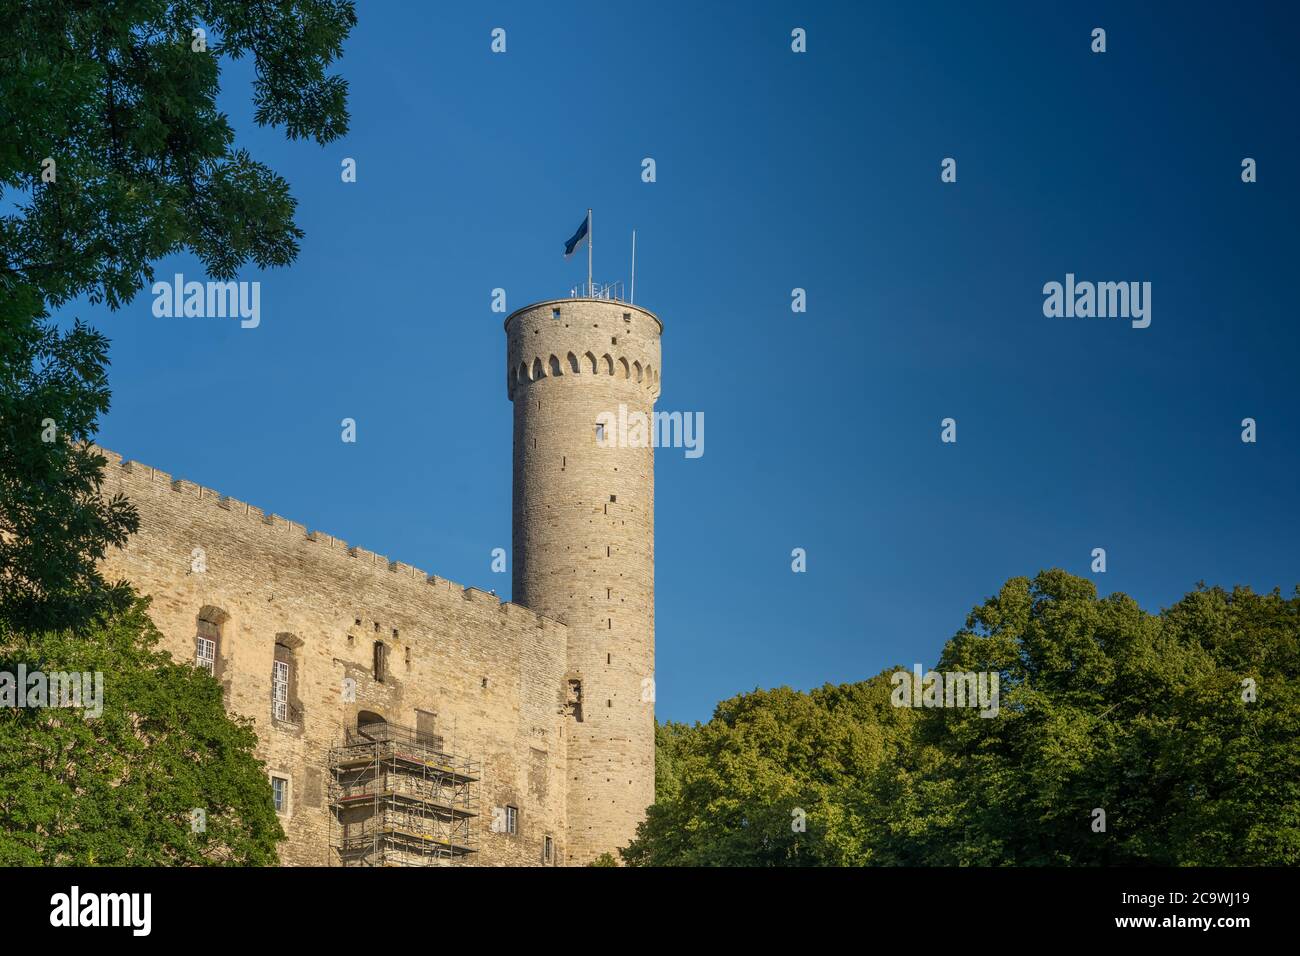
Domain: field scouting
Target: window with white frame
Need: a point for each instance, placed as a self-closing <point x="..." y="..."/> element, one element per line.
<point x="512" y="819"/>
<point x="280" y="690"/>
<point x="280" y="793"/>
<point x="548" y="850"/>
<point x="205" y="654"/>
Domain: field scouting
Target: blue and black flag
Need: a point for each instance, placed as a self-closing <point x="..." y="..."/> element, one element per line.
<point x="573" y="244"/>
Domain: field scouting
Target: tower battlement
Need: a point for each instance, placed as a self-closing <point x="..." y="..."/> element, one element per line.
<point x="583" y="337"/>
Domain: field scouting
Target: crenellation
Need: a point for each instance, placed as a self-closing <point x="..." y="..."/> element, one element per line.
<point x="133" y="471"/>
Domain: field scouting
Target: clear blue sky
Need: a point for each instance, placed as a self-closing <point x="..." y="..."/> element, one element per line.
<point x="778" y="170"/>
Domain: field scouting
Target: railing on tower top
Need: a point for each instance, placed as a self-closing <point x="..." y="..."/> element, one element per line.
<point x="599" y="290"/>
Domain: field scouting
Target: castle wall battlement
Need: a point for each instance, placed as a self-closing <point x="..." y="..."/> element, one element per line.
<point x="279" y="525"/>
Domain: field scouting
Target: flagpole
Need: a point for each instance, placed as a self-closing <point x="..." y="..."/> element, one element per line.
<point x="632" y="297"/>
<point x="590" y="291"/>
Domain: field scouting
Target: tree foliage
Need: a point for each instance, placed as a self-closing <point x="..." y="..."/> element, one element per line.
<point x="119" y="788"/>
<point x="113" y="154"/>
<point x="1103" y="706"/>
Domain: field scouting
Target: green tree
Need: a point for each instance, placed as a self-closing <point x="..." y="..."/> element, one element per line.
<point x="1107" y="707"/>
<point x="1179" y="726"/>
<point x="113" y="154"/>
<point x="764" y="783"/>
<point x="119" y="788"/>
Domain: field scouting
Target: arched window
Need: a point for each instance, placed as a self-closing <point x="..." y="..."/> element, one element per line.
<point x="590" y="362"/>
<point x="609" y="364"/>
<point x="555" y="366"/>
<point x="622" y="368"/>
<point x="372" y="725"/>
<point x="381" y="662"/>
<point x="573" y="363"/>
<point x="538" y="371"/>
<point x="636" y="369"/>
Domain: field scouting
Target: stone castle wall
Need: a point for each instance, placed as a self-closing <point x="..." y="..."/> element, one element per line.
<point x="485" y="675"/>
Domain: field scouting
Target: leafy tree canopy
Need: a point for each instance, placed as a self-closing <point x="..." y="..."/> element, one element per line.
<point x="113" y="154"/>
<point x="1179" y="726"/>
<point x="120" y="788"/>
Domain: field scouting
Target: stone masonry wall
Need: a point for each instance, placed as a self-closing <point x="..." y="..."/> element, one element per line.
<point x="485" y="675"/>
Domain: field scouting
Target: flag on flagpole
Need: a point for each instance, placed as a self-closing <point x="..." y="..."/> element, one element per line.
<point x="574" y="244"/>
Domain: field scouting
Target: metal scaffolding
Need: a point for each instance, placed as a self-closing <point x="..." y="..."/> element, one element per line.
<point x="396" y="799"/>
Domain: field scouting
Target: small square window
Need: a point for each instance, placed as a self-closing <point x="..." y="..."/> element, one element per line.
<point x="555" y="313"/>
<point x="613" y="499"/>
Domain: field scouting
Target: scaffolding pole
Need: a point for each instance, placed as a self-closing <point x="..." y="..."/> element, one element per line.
<point x="396" y="798"/>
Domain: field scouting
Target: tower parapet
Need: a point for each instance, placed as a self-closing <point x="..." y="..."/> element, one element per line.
<point x="583" y="543"/>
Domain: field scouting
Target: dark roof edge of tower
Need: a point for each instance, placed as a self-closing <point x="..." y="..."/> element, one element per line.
<point x="625" y="305"/>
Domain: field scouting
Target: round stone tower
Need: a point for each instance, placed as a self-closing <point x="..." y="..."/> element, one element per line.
<point x="581" y="374"/>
